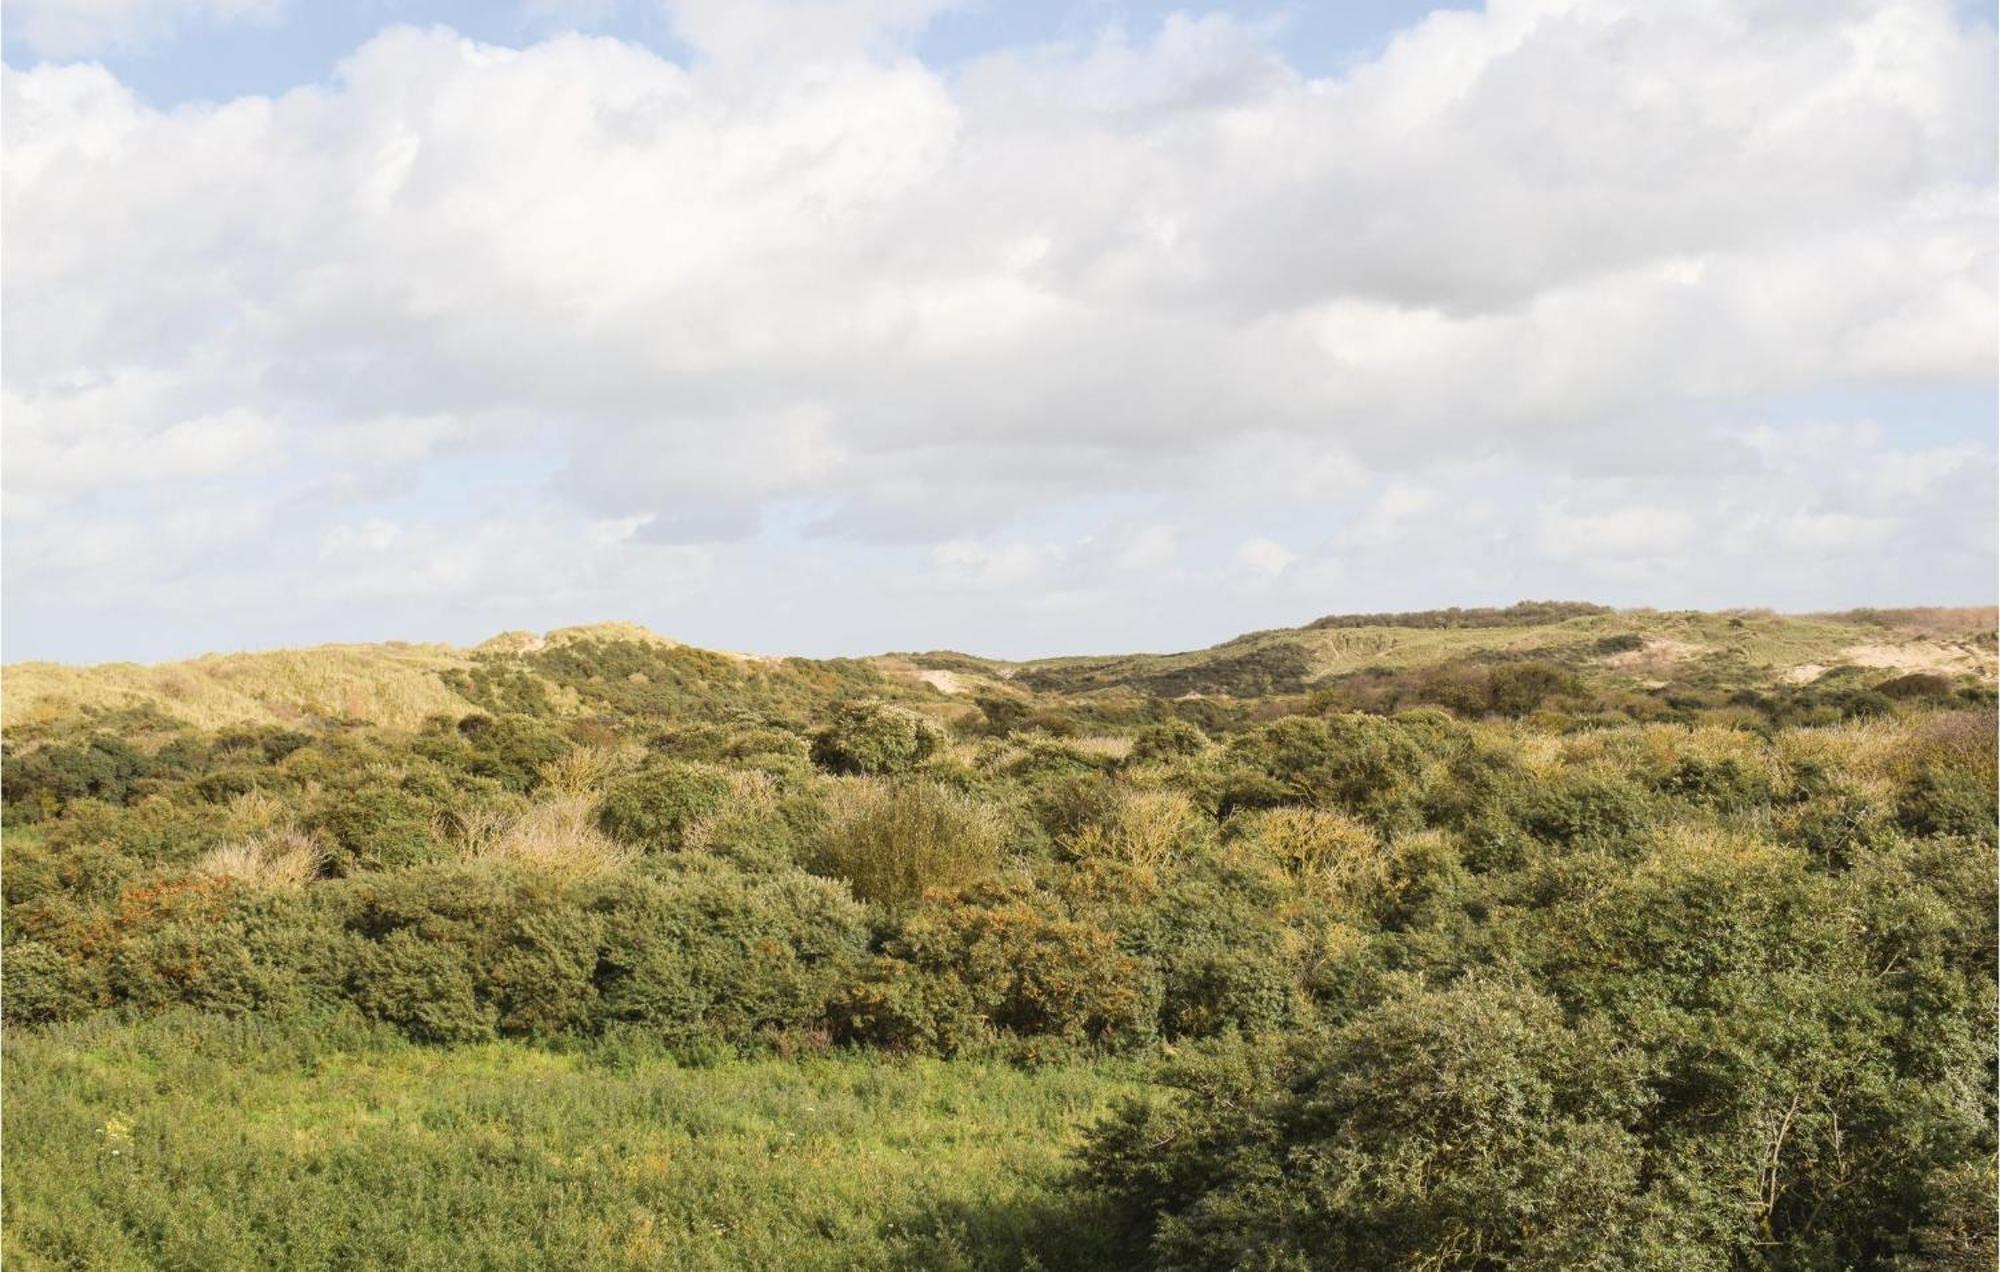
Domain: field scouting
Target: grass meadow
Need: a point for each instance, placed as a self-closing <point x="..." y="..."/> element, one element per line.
<point x="199" y="1142"/>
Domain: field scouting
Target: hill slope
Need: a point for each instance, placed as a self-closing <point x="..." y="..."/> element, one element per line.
<point x="625" y="669"/>
<point x="1641" y="650"/>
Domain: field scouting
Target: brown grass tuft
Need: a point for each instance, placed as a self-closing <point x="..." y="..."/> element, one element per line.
<point x="276" y="859"/>
<point x="558" y="835"/>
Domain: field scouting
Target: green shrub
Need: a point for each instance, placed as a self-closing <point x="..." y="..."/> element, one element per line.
<point x="40" y="782"/>
<point x="1068" y="804"/>
<point x="512" y="749"/>
<point x="876" y="738"/>
<point x="1723" y="784"/>
<point x="1168" y="741"/>
<point x="1515" y="689"/>
<point x="898" y="1006"/>
<point x="1948" y="803"/>
<point x="41" y="983"/>
<point x="211" y="944"/>
<point x="1584" y="807"/>
<point x="423" y="987"/>
<point x="375" y="828"/>
<point x="654" y="807"/>
<point x="451" y="953"/>
<point x="1218" y="949"/>
<point x="713" y="953"/>
<point x="1442" y="1123"/>
<point x="88" y="869"/>
<point x="1916" y="684"/>
<point x="1007" y="959"/>
<point x="1359" y="762"/>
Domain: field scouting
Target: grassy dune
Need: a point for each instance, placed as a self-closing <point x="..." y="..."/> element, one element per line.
<point x="1752" y="647"/>
<point x="393" y="684"/>
<point x="397" y="685"/>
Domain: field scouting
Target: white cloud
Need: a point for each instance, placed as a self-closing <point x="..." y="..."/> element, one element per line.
<point x="808" y="280"/>
<point x="1265" y="557"/>
<point x="1390" y="517"/>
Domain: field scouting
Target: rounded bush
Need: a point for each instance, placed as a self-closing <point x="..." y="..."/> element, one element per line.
<point x="40" y="983"/>
<point x="876" y="738"/>
<point x="1168" y="741"/>
<point x="654" y="807"/>
<point x="375" y="828"/>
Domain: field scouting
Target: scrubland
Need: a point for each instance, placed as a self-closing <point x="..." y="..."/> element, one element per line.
<point x="1524" y="952"/>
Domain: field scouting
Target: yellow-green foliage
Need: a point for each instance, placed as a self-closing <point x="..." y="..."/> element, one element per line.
<point x="557" y="834"/>
<point x="1332" y="854"/>
<point x="894" y="839"/>
<point x="1441" y="982"/>
<point x="1147" y="828"/>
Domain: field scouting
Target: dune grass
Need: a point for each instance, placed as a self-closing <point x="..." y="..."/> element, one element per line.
<point x="201" y="1142"/>
<point x="393" y="685"/>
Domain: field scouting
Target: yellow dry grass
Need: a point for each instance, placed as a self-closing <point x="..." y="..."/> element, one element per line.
<point x="1684" y="850"/>
<point x="585" y="771"/>
<point x="1150" y="828"/>
<point x="396" y="685"/>
<point x="283" y="859"/>
<point x="558" y="835"/>
<point x="1326" y="852"/>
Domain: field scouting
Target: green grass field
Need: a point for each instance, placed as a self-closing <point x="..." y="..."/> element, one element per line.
<point x="200" y="1142"/>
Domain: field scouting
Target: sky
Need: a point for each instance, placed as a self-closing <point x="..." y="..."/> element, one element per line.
<point x="841" y="326"/>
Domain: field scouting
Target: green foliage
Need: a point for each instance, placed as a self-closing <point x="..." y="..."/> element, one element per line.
<point x="41" y="983"/>
<point x="654" y="807"/>
<point x="1359" y="762"/>
<point x="722" y="955"/>
<point x="41" y="782"/>
<point x="197" y="1142"/>
<point x="1001" y="958"/>
<point x="511" y="749"/>
<point x="1585" y="808"/>
<point x="1460" y="1127"/>
<point x="1476" y="959"/>
<point x="1168" y="741"/>
<point x="375" y="828"/>
<point x="875" y="738"/>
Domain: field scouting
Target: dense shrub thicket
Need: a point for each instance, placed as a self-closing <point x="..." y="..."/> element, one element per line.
<point x="1481" y="982"/>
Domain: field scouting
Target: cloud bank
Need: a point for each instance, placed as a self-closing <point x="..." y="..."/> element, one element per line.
<point x="804" y="344"/>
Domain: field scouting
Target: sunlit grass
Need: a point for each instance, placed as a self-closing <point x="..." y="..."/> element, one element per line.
<point x="197" y="1142"/>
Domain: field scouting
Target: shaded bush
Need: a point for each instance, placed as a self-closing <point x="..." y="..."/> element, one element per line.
<point x="40" y="782"/>
<point x="1443" y="1122"/>
<point x="1171" y="740"/>
<point x="41" y="983"/>
<point x="1584" y="807"/>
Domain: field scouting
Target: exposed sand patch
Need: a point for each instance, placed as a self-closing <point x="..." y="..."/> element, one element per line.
<point x="1924" y="657"/>
<point x="1657" y="652"/>
<point x="1916" y="656"/>
<point x="944" y="681"/>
